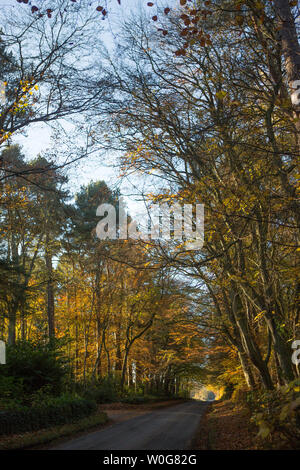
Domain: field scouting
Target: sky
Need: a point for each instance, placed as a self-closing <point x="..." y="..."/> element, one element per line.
<point x="38" y="136"/>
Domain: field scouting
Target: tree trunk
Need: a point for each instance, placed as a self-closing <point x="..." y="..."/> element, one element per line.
<point x="249" y="345"/>
<point x="280" y="348"/>
<point x="247" y="370"/>
<point x="12" y="314"/>
<point x="124" y="368"/>
<point x="118" y="366"/>
<point x="290" y="45"/>
<point x="50" y="291"/>
<point x="11" y="327"/>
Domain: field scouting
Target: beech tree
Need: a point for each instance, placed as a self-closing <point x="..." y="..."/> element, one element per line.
<point x="199" y="135"/>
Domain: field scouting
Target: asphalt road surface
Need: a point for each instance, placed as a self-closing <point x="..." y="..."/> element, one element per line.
<point x="169" y="428"/>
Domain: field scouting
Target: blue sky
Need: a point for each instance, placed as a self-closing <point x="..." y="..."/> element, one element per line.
<point x="38" y="137"/>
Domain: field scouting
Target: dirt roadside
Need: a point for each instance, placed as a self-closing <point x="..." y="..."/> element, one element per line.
<point x="225" y="426"/>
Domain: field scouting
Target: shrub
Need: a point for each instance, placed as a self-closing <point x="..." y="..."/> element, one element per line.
<point x="240" y="395"/>
<point x="55" y="411"/>
<point x="136" y="399"/>
<point x="277" y="414"/>
<point x="11" y="392"/>
<point x="228" y="391"/>
<point x="35" y="365"/>
<point x="103" y="391"/>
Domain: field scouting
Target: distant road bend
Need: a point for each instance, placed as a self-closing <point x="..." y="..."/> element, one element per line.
<point x="164" y="429"/>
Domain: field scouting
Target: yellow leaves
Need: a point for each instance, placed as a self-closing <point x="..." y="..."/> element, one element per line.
<point x="259" y="5"/>
<point x="228" y="202"/>
<point x="221" y="94"/>
<point x="240" y="201"/>
<point x="264" y="430"/>
<point x="21" y="102"/>
<point x="239" y="20"/>
<point x="163" y="197"/>
<point x="4" y="135"/>
<point x="259" y="315"/>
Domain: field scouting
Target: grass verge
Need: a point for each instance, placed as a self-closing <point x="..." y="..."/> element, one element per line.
<point x="43" y="436"/>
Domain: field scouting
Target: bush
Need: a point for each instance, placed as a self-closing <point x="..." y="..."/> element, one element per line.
<point x="277" y="414"/>
<point x="228" y="391"/>
<point x="35" y="365"/>
<point x="54" y="411"/>
<point x="103" y="391"/>
<point x="136" y="399"/>
<point x="11" y="392"/>
<point x="240" y="395"/>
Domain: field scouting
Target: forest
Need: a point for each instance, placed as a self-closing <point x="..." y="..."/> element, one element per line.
<point x="200" y="103"/>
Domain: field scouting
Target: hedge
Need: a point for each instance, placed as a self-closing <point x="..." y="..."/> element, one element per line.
<point x="140" y="399"/>
<point x="60" y="411"/>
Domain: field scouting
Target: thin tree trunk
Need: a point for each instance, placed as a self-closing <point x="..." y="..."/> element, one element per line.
<point x="50" y="291"/>
<point x="247" y="370"/>
<point x="249" y="345"/>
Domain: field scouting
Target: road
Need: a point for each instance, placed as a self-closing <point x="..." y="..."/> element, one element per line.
<point x="164" y="429"/>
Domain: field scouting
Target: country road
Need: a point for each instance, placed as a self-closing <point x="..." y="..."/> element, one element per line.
<point x="165" y="429"/>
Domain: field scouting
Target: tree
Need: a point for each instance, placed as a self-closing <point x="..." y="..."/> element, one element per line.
<point x="199" y="136"/>
<point x="52" y="214"/>
<point x="44" y="79"/>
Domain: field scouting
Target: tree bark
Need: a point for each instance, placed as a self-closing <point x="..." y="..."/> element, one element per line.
<point x="291" y="52"/>
<point x="250" y="347"/>
<point x="50" y="291"/>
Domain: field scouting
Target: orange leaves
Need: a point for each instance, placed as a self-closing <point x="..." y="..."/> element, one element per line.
<point x="102" y="10"/>
<point x="180" y="52"/>
<point x="192" y="32"/>
<point x="239" y="20"/>
<point x="184" y="32"/>
<point x="191" y="18"/>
